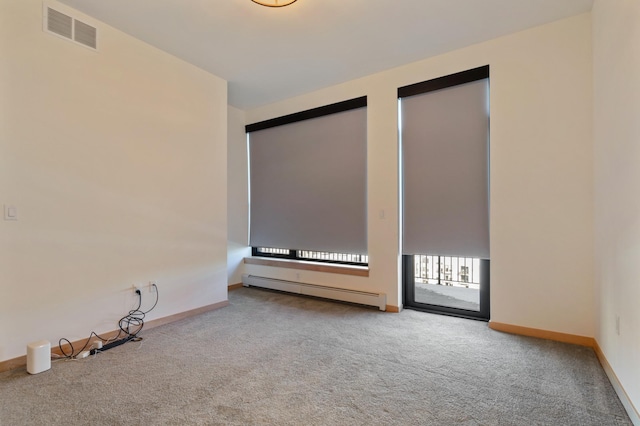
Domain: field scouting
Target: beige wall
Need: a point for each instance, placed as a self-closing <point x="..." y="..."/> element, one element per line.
<point x="541" y="173"/>
<point x="116" y="162"/>
<point x="616" y="64"/>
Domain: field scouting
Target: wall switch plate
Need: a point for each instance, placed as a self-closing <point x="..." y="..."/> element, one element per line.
<point x="10" y="213"/>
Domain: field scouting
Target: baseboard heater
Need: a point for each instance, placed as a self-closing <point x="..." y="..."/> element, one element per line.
<point x="361" y="297"/>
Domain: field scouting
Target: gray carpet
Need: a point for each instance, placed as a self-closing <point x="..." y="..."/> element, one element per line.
<point x="276" y="359"/>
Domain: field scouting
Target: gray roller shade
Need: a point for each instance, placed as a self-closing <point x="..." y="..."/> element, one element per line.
<point x="308" y="184"/>
<point x="445" y="163"/>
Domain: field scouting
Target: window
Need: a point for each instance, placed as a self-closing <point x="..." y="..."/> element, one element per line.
<point x="308" y="184"/>
<point x="315" y="256"/>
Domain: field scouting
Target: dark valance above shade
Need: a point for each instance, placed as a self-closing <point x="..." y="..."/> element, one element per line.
<point x="445" y="163"/>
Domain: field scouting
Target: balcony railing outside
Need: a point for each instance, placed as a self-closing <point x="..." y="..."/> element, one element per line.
<point x="334" y="257"/>
<point x="447" y="270"/>
<point x="319" y="256"/>
<point x="271" y="250"/>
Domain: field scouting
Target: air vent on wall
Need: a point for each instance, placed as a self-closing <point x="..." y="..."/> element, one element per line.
<point x="59" y="23"/>
<point x="72" y="29"/>
<point x="84" y="34"/>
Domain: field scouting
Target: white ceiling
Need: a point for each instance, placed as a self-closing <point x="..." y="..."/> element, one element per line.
<point x="269" y="54"/>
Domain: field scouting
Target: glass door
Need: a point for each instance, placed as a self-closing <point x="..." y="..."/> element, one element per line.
<point x="449" y="285"/>
<point x="444" y="165"/>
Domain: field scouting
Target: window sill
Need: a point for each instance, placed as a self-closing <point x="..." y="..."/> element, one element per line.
<point x="360" y="271"/>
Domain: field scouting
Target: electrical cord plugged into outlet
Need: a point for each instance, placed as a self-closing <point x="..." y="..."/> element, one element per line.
<point x="130" y="325"/>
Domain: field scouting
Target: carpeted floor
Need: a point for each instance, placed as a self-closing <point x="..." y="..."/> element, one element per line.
<point x="276" y="359"/>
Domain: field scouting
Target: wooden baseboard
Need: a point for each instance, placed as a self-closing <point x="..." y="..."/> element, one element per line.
<point x="12" y="364"/>
<point x="543" y="334"/>
<point x="632" y="411"/>
<point x="393" y="309"/>
<point x="235" y="286"/>
<point x="21" y="361"/>
<point x="186" y="314"/>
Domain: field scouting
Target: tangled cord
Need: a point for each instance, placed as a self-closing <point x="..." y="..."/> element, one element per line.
<point x="129" y="327"/>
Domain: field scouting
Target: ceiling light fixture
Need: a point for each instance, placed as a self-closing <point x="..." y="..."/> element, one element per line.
<point x="274" y="3"/>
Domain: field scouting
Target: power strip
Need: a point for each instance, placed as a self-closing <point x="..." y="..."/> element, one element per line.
<point x="111" y="345"/>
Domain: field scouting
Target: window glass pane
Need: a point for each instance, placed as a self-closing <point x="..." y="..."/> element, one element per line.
<point x="448" y="281"/>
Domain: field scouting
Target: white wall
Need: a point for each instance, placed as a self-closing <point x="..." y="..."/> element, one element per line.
<point x="616" y="64"/>
<point x="541" y="173"/>
<point x="237" y="196"/>
<point x="116" y="162"/>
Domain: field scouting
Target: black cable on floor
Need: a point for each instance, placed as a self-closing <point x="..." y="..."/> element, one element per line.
<point x="133" y="320"/>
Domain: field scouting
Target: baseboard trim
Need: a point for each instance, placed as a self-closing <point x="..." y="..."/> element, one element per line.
<point x="12" y="364"/>
<point x="632" y="411"/>
<point x="393" y="309"/>
<point x="21" y="361"/>
<point x="183" y="315"/>
<point x="235" y="286"/>
<point x="543" y="334"/>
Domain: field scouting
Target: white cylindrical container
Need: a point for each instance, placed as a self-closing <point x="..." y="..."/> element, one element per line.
<point x="38" y="356"/>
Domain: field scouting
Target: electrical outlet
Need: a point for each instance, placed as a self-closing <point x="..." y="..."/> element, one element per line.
<point x="136" y="290"/>
<point x="152" y="286"/>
